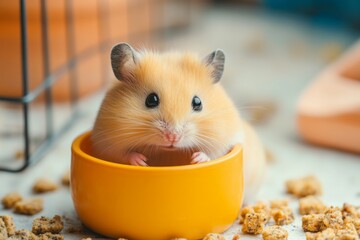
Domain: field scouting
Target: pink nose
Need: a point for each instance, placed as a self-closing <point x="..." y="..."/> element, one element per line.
<point x="172" y="137"/>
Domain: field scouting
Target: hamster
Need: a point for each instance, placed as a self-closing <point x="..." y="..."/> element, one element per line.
<point x="172" y="101"/>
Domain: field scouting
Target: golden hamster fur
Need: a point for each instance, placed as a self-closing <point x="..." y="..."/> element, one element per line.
<point x="172" y="101"/>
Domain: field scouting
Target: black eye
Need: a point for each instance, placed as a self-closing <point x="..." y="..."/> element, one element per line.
<point x="152" y="100"/>
<point x="196" y="104"/>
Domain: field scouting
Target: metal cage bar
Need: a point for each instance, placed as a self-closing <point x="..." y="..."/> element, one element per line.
<point x="50" y="78"/>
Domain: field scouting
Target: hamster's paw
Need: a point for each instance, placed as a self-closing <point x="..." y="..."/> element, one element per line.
<point x="137" y="159"/>
<point x="199" y="157"/>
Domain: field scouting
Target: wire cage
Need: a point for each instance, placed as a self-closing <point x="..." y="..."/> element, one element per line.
<point x="154" y="15"/>
<point x="46" y="87"/>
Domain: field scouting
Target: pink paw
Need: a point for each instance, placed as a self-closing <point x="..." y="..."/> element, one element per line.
<point x="137" y="159"/>
<point x="199" y="157"/>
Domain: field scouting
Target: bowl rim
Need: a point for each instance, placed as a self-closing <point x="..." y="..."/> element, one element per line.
<point x="76" y="149"/>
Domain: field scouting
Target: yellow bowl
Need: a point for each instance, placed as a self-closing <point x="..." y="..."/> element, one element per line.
<point x="135" y="202"/>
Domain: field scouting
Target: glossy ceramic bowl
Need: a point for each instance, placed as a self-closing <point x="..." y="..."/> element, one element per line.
<point x="136" y="202"/>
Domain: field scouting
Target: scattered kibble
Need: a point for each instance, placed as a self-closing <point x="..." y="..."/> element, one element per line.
<point x="50" y="236"/>
<point x="327" y="234"/>
<point x="29" y="206"/>
<point x="275" y="233"/>
<point x="260" y="207"/>
<point x="23" y="234"/>
<point x="10" y="199"/>
<point x="9" y="225"/>
<point x="254" y="223"/>
<point x="333" y="218"/>
<point x="214" y="236"/>
<point x="65" y="180"/>
<point x="43" y="185"/>
<point x="313" y="222"/>
<point x="283" y="215"/>
<point x="236" y="237"/>
<point x="311" y="205"/>
<point x="303" y="187"/>
<point x="279" y="203"/>
<point x="47" y="225"/>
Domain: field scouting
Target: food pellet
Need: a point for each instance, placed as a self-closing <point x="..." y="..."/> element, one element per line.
<point x="254" y="223"/>
<point x="47" y="225"/>
<point x="214" y="236"/>
<point x="311" y="205"/>
<point x="327" y="234"/>
<point x="9" y="225"/>
<point x="283" y="216"/>
<point x="29" y="206"/>
<point x="23" y="234"/>
<point x="44" y="185"/>
<point x="313" y="222"/>
<point x="333" y="218"/>
<point x="10" y="199"/>
<point x="303" y="187"/>
<point x="275" y="233"/>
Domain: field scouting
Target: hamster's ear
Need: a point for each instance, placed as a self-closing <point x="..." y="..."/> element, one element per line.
<point x="123" y="61"/>
<point x="215" y="61"/>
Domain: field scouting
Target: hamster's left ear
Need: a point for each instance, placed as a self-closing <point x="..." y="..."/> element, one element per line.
<point x="215" y="61"/>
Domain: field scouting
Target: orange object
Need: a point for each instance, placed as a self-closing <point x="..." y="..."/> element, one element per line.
<point x="329" y="110"/>
<point x="91" y="28"/>
<point x="137" y="202"/>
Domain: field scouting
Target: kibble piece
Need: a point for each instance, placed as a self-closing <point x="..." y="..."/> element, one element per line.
<point x="354" y="221"/>
<point x="283" y="216"/>
<point x="50" y="236"/>
<point x="348" y="232"/>
<point x="214" y="236"/>
<point x="262" y="207"/>
<point x="281" y="212"/>
<point x="44" y="185"/>
<point x="9" y="200"/>
<point x="23" y="235"/>
<point x="333" y="218"/>
<point x="29" y="206"/>
<point x="254" y="223"/>
<point x="349" y="210"/>
<point x="244" y="211"/>
<point x="44" y="225"/>
<point x="65" y="180"/>
<point x="9" y="224"/>
<point x="275" y="233"/>
<point x="327" y="234"/>
<point x="279" y="203"/>
<point x="311" y="205"/>
<point x="3" y="230"/>
<point x="236" y="237"/>
<point x="303" y="187"/>
<point x="313" y="222"/>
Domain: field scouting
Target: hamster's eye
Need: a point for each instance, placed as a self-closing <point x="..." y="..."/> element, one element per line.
<point x="152" y="100"/>
<point x="196" y="104"/>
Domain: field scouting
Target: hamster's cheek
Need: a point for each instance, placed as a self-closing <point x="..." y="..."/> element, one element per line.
<point x="186" y="143"/>
<point x="188" y="139"/>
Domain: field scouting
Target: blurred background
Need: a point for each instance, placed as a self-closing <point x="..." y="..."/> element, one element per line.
<point x="56" y="53"/>
<point x="55" y="69"/>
